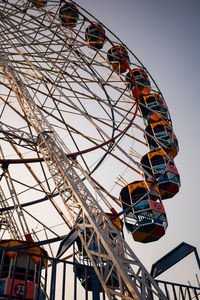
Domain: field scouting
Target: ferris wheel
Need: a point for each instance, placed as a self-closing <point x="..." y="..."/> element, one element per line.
<point x="86" y="139"/>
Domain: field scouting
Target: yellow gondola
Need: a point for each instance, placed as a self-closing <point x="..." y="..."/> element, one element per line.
<point x="145" y="218"/>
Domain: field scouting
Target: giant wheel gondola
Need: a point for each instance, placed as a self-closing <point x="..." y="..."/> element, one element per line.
<point x="73" y="96"/>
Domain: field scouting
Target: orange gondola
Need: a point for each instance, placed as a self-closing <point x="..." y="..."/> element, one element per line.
<point x="142" y="80"/>
<point x="118" y="58"/>
<point x="39" y="3"/>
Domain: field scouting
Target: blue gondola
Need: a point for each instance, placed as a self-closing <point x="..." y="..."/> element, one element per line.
<point x="86" y="275"/>
<point x="87" y="280"/>
<point x="69" y="15"/>
<point x="95" y="36"/>
<point x="160" y="135"/>
<point x="153" y="108"/>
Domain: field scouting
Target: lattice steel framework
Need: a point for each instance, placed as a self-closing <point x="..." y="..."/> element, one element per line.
<point x="113" y="258"/>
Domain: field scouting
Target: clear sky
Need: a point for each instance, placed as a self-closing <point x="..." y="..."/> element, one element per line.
<point x="164" y="35"/>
